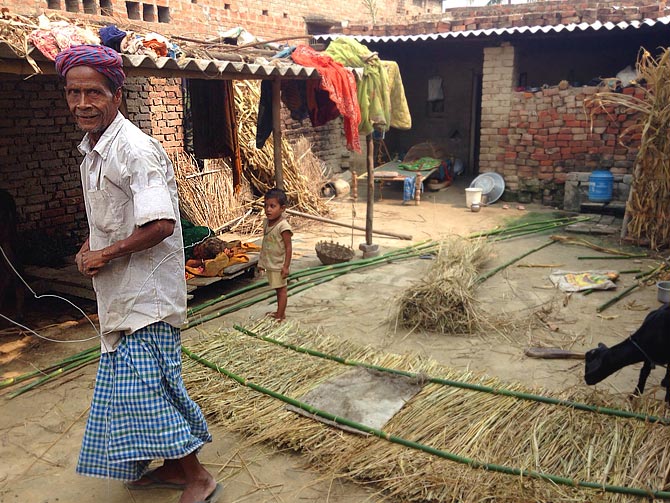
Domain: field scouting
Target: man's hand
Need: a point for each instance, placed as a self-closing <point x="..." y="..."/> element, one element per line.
<point x="84" y="262"/>
<point x="91" y="262"/>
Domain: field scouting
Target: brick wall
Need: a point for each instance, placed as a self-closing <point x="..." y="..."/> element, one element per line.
<point x="197" y="19"/>
<point x="38" y="164"/>
<point x="497" y="78"/>
<point x="551" y="134"/>
<point x="327" y="142"/>
<point x="534" y="139"/>
<point x="526" y="14"/>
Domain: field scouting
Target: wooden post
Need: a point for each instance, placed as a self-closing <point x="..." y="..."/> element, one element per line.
<point x="371" y="189"/>
<point x="276" y="133"/>
<point x="417" y="188"/>
<point x="354" y="184"/>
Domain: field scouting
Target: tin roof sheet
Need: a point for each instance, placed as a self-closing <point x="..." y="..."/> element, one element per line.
<point x="11" y="62"/>
<point x="512" y="30"/>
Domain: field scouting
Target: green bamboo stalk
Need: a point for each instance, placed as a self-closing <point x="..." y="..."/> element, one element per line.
<point x="612" y="257"/>
<point x="546" y="228"/>
<point x="11" y="381"/>
<point x="483" y="277"/>
<point x="616" y="298"/>
<point x="464" y="384"/>
<point x="628" y="290"/>
<point x="540" y="223"/>
<point x="56" y="373"/>
<point x="472" y="463"/>
<point x="392" y="255"/>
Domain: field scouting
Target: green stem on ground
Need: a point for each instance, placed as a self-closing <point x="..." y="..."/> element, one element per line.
<point x="483" y="277"/>
<point x="463" y="384"/>
<point x="472" y="463"/>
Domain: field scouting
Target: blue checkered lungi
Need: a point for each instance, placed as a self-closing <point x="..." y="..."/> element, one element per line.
<point x="140" y="409"/>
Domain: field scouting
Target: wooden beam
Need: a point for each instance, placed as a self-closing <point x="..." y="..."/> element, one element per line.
<point x="276" y="133"/>
<point x="371" y="189"/>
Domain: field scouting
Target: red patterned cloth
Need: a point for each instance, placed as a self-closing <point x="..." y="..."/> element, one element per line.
<point x="102" y="59"/>
<point x="340" y="84"/>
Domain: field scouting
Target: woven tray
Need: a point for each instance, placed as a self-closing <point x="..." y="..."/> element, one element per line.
<point x="330" y="252"/>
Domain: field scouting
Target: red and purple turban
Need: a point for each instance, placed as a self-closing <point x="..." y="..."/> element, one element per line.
<point x="102" y="59"/>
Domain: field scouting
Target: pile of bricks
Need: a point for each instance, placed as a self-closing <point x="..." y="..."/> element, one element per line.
<point x="550" y="135"/>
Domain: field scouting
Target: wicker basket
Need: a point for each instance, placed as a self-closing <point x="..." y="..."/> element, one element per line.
<point x="333" y="253"/>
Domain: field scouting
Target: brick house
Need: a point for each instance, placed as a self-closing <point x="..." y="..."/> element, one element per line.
<point x="502" y="110"/>
<point x="38" y="156"/>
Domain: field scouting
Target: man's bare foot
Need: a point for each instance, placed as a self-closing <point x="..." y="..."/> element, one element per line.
<point x="204" y="490"/>
<point x="275" y="316"/>
<point x="168" y="476"/>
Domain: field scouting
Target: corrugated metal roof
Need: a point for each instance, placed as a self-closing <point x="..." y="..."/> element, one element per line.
<point x="513" y="30"/>
<point x="186" y="67"/>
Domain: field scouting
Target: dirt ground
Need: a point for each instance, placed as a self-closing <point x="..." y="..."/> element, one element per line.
<point x="40" y="431"/>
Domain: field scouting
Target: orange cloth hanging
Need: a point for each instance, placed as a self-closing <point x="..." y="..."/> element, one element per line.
<point x="340" y="84"/>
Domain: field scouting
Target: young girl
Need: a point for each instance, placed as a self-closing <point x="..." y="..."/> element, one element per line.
<point x="276" y="248"/>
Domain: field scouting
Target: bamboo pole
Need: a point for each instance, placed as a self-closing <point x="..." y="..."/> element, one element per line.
<point x="539" y="223"/>
<point x="487" y="275"/>
<point x="628" y="290"/>
<point x="464" y="384"/>
<point x="11" y="381"/>
<point x="370" y="209"/>
<point x="342" y="224"/>
<point x="472" y="463"/>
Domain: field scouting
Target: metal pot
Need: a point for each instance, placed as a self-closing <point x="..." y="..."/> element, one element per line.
<point x="663" y="293"/>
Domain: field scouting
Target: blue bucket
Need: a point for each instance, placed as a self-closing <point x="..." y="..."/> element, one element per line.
<point x="600" y="186"/>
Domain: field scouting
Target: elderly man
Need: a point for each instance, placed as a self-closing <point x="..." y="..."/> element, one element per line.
<point x="140" y="409"/>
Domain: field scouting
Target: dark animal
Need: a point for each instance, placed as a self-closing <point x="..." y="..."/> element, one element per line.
<point x="649" y="344"/>
<point x="9" y="281"/>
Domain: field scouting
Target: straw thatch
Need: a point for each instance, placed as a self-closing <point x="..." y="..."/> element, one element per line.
<point x="302" y="175"/>
<point x="207" y="197"/>
<point x="443" y="301"/>
<point x="648" y="207"/>
<point x="496" y="429"/>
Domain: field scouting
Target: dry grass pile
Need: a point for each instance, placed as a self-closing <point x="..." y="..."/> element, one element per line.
<point x="488" y="428"/>
<point x="207" y="197"/>
<point x="303" y="177"/>
<point x="443" y="301"/>
<point x="648" y="207"/>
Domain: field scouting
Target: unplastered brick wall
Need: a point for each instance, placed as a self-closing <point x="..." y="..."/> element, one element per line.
<point x="39" y="161"/>
<point x="155" y="105"/>
<point x="327" y="142"/>
<point x="203" y="18"/>
<point x="498" y="75"/>
<point x="535" y="139"/>
<point x="523" y="14"/>
<point x="552" y="133"/>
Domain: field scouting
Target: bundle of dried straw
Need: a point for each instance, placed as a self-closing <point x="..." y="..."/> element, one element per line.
<point x="303" y="177"/>
<point x="443" y="300"/>
<point x="207" y="197"/>
<point x="648" y="207"/>
<point x="505" y="430"/>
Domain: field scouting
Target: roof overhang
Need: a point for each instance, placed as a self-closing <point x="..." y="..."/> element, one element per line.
<point x="136" y="65"/>
<point x="513" y="30"/>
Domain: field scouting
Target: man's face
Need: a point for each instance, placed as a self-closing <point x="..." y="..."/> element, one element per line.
<point x="90" y="100"/>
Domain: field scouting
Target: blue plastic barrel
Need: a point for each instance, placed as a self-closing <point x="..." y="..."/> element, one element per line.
<point x="600" y="186"/>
